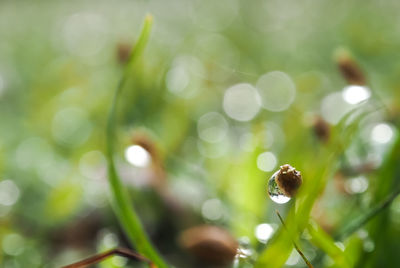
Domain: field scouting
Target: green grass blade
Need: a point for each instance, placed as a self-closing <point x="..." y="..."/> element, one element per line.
<point x="120" y="198"/>
<point x="325" y="242"/>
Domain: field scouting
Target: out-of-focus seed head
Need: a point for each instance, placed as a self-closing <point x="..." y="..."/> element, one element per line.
<point x="123" y="52"/>
<point x="210" y="244"/>
<point x="349" y="68"/>
<point x="322" y="129"/>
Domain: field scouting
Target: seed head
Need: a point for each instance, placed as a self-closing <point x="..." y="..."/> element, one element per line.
<point x="210" y="244"/>
<point x="350" y="70"/>
<point x="289" y="180"/>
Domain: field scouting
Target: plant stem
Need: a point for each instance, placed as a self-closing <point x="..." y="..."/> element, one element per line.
<point x="359" y="222"/>
<point x="103" y="256"/>
<point x="294" y="243"/>
<point x="120" y="198"/>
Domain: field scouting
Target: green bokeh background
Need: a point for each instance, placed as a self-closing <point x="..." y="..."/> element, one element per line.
<point x="58" y="70"/>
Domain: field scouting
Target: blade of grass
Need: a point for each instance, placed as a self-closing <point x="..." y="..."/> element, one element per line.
<point x="359" y="222"/>
<point x="120" y="199"/>
<point x="325" y="242"/>
<point x="295" y="245"/>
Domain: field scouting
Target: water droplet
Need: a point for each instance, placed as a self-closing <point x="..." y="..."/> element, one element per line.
<point x="275" y="193"/>
<point x="284" y="184"/>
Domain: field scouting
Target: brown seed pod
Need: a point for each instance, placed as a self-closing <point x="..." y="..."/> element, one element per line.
<point x="322" y="129"/>
<point x="288" y="180"/>
<point x="123" y="52"/>
<point x="210" y="244"/>
<point x="349" y="69"/>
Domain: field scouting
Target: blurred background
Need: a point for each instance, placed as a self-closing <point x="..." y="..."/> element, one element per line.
<point x="225" y="93"/>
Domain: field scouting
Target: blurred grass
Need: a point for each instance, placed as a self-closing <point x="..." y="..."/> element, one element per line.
<point x="126" y="215"/>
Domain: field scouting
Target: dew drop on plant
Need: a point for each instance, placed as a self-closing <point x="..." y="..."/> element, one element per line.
<point x="284" y="184"/>
<point x="274" y="192"/>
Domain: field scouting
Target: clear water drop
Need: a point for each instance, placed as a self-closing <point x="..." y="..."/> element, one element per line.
<point x="274" y="192"/>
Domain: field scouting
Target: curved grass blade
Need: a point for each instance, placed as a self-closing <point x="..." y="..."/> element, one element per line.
<point x="120" y="199"/>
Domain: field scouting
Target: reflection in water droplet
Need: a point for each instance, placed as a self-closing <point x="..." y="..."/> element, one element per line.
<point x="275" y="193"/>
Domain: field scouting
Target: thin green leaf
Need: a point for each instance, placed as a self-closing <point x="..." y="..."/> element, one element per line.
<point x="325" y="242"/>
<point x="120" y="199"/>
